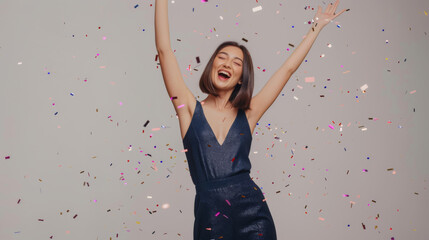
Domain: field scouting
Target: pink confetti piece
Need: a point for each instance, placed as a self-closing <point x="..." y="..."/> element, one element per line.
<point x="309" y="79"/>
<point x="228" y="202"/>
<point x="321" y="219"/>
<point x="156" y="129"/>
<point x="225" y="216"/>
<point x="330" y="126"/>
<point x="180" y="106"/>
<point x="217" y="214"/>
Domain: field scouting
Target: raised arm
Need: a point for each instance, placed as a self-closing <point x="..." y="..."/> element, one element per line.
<point x="173" y="80"/>
<point x="265" y="98"/>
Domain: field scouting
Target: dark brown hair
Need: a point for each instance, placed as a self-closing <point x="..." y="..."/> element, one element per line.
<point x="242" y="94"/>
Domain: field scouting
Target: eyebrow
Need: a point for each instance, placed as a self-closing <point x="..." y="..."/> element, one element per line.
<point x="228" y="55"/>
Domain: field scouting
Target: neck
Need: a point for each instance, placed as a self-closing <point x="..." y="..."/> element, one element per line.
<point x="220" y="102"/>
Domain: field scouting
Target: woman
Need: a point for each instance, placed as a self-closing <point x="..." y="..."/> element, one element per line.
<point x="217" y="132"/>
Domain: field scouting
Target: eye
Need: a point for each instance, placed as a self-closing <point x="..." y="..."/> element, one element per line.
<point x="238" y="64"/>
<point x="221" y="57"/>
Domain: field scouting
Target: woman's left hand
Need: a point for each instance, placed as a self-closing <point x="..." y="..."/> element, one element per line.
<point x="323" y="18"/>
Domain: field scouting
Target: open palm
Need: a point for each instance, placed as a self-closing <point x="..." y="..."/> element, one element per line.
<point x="323" y="18"/>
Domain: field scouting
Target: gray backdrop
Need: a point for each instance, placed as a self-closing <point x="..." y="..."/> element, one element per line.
<point x="79" y="81"/>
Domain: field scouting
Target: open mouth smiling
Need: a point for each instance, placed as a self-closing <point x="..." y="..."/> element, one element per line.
<point x="224" y="75"/>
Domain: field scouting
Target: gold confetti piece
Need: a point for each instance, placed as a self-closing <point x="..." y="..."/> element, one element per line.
<point x="390" y="169"/>
<point x="426" y="13"/>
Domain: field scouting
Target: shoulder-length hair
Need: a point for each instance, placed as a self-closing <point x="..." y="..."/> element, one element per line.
<point x="242" y="93"/>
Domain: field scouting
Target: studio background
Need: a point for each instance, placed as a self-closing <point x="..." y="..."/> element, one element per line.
<point x="90" y="143"/>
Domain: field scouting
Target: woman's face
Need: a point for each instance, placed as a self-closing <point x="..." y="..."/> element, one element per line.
<point x="227" y="68"/>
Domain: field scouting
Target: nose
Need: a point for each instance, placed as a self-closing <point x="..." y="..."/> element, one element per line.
<point x="227" y="65"/>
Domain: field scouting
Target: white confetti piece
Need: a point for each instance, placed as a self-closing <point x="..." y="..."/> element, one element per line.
<point x="258" y="8"/>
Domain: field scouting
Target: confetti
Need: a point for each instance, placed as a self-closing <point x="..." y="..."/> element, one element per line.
<point x="147" y="122"/>
<point x="258" y="8"/>
<point x="364" y="87"/>
<point x="309" y="79"/>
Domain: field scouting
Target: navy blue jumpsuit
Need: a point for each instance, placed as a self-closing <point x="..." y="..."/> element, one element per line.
<point x="229" y="205"/>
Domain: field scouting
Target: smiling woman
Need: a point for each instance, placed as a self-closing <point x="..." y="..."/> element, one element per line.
<point x="218" y="136"/>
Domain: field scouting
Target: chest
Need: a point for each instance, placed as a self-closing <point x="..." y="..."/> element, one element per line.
<point x="220" y="122"/>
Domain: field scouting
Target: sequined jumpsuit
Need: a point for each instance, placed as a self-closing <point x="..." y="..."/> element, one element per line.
<point x="229" y="205"/>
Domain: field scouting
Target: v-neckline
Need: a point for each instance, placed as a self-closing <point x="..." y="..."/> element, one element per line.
<point x="211" y="129"/>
